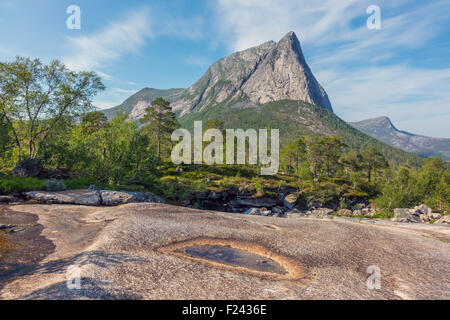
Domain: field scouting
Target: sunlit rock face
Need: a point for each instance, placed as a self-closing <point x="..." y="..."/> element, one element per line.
<point x="270" y="72"/>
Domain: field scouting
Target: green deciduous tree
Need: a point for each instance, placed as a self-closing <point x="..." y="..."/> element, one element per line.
<point x="36" y="98"/>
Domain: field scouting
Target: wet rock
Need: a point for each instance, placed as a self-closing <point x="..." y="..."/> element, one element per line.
<point x="93" y="187"/>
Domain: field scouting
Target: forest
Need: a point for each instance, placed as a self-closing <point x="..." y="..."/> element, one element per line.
<point x="46" y="115"/>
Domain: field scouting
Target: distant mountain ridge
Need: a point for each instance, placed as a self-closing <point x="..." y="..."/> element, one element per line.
<point x="383" y="129"/>
<point x="138" y="102"/>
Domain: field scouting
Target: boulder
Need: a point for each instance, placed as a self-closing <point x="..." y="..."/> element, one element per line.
<point x="415" y="212"/>
<point x="290" y="201"/>
<point x="278" y="211"/>
<point x="357" y="212"/>
<point x="404" y="215"/>
<point x="322" y="212"/>
<point x="370" y="212"/>
<point x="424" y="218"/>
<point x="80" y="197"/>
<point x="258" y="212"/>
<point x="424" y="210"/>
<point x="297" y="214"/>
<point x="436" y="216"/>
<point x="214" y="195"/>
<point x="345" y="212"/>
<point x="92" y="198"/>
<point x="9" y="199"/>
<point x="255" y="202"/>
<point x="28" y="168"/>
<point x="444" y="220"/>
<point x="114" y="198"/>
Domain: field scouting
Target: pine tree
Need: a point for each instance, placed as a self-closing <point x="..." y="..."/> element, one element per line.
<point x="160" y="123"/>
<point x="373" y="159"/>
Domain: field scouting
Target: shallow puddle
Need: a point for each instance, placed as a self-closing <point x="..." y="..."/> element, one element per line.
<point x="234" y="257"/>
<point x="237" y="256"/>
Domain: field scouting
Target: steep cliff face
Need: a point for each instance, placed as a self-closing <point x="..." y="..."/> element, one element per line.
<point x="270" y="72"/>
<point x="383" y="129"/>
<point x="250" y="78"/>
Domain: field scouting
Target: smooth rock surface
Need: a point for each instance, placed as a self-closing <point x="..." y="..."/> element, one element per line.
<point x="93" y="197"/>
<point x="119" y="252"/>
<point x="80" y="197"/>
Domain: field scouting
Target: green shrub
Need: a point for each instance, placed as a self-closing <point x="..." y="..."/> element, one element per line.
<point x="282" y="184"/>
<point x="54" y="185"/>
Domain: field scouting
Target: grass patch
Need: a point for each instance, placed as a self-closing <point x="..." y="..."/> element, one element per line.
<point x="11" y="184"/>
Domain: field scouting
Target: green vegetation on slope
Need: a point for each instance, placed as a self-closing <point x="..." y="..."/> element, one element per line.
<point x="294" y="119"/>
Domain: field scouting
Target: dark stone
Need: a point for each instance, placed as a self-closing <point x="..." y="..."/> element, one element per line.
<point x="28" y="168"/>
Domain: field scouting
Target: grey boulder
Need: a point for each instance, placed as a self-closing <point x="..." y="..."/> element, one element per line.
<point x="114" y="198"/>
<point x="78" y="197"/>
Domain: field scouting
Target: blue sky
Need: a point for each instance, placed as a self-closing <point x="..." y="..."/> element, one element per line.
<point x="401" y="71"/>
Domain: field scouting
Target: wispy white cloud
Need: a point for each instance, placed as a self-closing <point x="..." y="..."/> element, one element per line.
<point x="355" y="65"/>
<point x="110" y="44"/>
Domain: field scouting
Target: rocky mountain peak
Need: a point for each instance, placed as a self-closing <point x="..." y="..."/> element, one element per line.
<point x="273" y="71"/>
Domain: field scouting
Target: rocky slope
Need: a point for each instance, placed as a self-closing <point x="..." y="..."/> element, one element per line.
<point x="383" y="129"/>
<point x="138" y="102"/>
